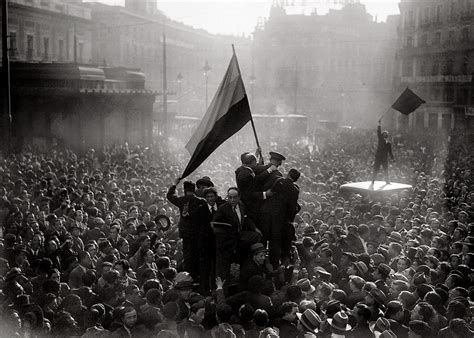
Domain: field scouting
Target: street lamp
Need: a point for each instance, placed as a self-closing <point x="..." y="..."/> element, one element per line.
<point x="252" y="83"/>
<point x="205" y="70"/>
<point x="179" y="78"/>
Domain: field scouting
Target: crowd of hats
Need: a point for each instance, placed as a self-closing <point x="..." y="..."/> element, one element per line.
<point x="397" y="264"/>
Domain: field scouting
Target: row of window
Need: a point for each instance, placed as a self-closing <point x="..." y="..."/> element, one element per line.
<point x="448" y="93"/>
<point x="42" y="50"/>
<point x="428" y="67"/>
<point x="437" y="38"/>
<point x="450" y="10"/>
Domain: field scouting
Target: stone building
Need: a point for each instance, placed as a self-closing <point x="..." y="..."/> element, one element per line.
<point x="336" y="67"/>
<point x="436" y="60"/>
<point x="49" y="30"/>
<point x="133" y="36"/>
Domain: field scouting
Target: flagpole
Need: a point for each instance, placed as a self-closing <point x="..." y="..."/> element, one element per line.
<point x="251" y="117"/>
<point x="382" y="116"/>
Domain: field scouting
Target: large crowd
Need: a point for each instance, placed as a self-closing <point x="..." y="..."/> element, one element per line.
<point x="109" y="243"/>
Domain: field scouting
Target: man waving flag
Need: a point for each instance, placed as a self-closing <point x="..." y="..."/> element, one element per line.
<point x="228" y="112"/>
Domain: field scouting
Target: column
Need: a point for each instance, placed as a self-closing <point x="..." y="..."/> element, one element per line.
<point x="426" y="118"/>
<point x="440" y="121"/>
<point x="452" y="120"/>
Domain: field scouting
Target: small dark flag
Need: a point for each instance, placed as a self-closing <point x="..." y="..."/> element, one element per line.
<point x="408" y="102"/>
<point x="228" y="112"/>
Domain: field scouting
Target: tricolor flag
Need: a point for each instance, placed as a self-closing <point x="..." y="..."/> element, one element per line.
<point x="408" y="102"/>
<point x="228" y="112"/>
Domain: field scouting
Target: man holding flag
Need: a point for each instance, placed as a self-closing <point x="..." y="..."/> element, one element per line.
<point x="384" y="150"/>
<point x="406" y="104"/>
<point x="228" y="112"/>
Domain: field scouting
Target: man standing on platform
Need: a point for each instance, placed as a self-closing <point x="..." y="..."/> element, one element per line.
<point x="188" y="226"/>
<point x="384" y="150"/>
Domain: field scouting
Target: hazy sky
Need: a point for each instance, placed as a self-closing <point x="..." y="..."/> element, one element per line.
<point x="241" y="16"/>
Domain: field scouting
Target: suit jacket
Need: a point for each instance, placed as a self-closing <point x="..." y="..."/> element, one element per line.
<point x="289" y="192"/>
<point x="248" y="269"/>
<point x="384" y="148"/>
<point x="188" y="207"/>
<point x="206" y="235"/>
<point x="276" y="203"/>
<point x="225" y="214"/>
<point x="250" y="187"/>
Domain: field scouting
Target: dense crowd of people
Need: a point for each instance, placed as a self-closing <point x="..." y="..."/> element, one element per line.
<point x="105" y="243"/>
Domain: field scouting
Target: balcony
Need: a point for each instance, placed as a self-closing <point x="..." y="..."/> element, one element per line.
<point x="437" y="79"/>
<point x="447" y="47"/>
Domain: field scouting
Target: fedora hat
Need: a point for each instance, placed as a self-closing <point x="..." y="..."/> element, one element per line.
<point x="379" y="296"/>
<point x="340" y="322"/>
<point x="305" y="285"/>
<point x="310" y="320"/>
<point x="381" y="324"/>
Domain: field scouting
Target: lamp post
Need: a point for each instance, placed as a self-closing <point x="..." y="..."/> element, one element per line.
<point x="179" y="78"/>
<point x="206" y="70"/>
<point x="252" y="84"/>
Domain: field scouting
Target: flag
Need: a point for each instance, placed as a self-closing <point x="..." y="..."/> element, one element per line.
<point x="228" y="112"/>
<point x="408" y="102"/>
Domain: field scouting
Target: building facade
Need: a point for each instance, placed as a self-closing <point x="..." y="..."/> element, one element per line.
<point x="436" y="60"/>
<point x="78" y="106"/>
<point x="133" y="36"/>
<point x="49" y="31"/>
<point x="336" y="67"/>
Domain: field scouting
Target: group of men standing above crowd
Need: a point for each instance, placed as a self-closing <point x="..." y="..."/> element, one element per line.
<point x="258" y="214"/>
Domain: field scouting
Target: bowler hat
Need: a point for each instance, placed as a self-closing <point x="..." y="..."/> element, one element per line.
<point x="310" y="320"/>
<point x="277" y="156"/>
<point x="183" y="281"/>
<point x="206" y="181"/>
